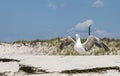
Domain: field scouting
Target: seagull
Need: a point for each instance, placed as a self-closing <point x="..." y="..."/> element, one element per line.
<point x="83" y="47"/>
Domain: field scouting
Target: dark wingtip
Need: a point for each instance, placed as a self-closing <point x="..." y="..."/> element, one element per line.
<point x="61" y="46"/>
<point x="105" y="47"/>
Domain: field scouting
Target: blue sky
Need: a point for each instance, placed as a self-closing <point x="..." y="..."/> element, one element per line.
<point x="46" y="19"/>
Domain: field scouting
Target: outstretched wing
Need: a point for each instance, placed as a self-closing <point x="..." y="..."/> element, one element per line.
<point x="91" y="41"/>
<point x="66" y="41"/>
<point x="101" y="44"/>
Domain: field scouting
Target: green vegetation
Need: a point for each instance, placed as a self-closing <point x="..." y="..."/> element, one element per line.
<point x="52" y="47"/>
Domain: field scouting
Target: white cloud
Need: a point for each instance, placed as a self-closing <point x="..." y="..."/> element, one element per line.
<point x="84" y="25"/>
<point x="55" y="6"/>
<point x="51" y="5"/>
<point x="98" y="3"/>
<point x="81" y="28"/>
<point x="102" y="33"/>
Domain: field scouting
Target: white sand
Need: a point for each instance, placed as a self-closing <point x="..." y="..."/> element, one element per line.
<point x="56" y="64"/>
<point x="61" y="63"/>
<point x="9" y="68"/>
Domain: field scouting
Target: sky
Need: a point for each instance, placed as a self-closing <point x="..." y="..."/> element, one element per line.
<point x="47" y="19"/>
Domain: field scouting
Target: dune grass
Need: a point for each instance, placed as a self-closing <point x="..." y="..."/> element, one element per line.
<point x="51" y="47"/>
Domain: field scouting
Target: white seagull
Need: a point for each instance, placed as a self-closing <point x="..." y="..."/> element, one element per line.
<point x="86" y="46"/>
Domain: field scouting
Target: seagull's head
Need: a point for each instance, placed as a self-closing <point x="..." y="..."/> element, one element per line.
<point x="77" y="36"/>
